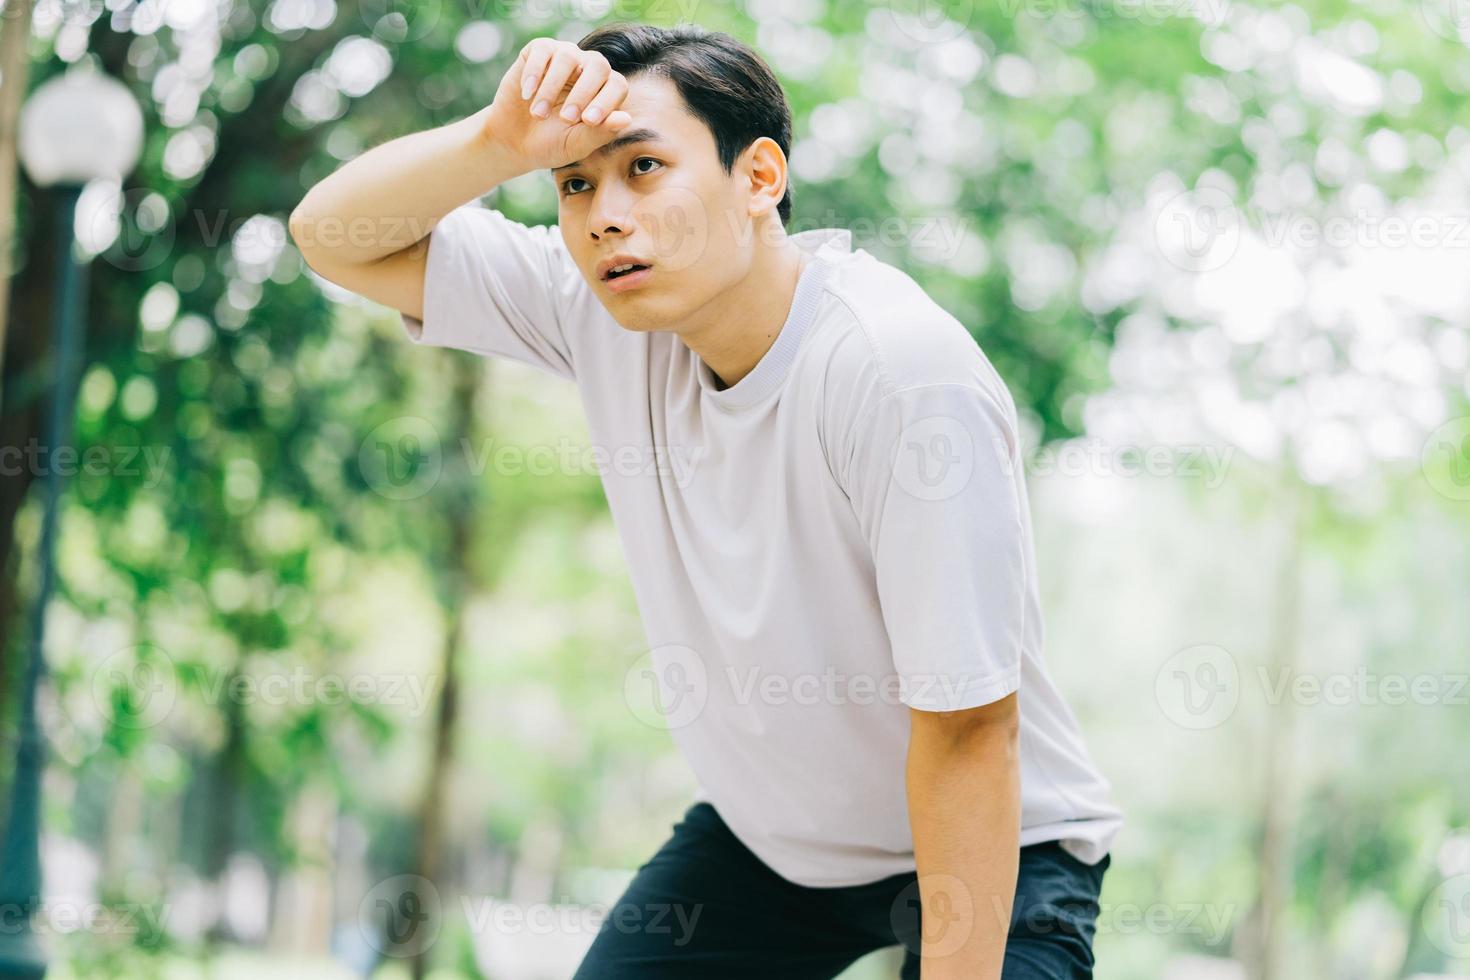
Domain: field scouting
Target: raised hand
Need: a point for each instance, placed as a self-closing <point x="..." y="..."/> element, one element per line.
<point x="550" y="80"/>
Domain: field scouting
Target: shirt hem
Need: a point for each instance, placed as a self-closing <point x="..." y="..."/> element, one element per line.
<point x="972" y="692"/>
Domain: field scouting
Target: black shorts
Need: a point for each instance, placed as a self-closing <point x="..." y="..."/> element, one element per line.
<point x="704" y="906"/>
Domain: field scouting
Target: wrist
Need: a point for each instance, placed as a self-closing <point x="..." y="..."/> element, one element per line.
<point x="491" y="155"/>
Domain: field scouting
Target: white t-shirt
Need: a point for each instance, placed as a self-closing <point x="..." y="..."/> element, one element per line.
<point x="804" y="576"/>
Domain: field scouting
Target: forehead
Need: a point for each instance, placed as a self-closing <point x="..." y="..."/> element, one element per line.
<point x="655" y="104"/>
<point x="652" y="96"/>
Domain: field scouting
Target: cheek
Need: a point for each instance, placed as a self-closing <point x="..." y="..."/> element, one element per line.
<point x="680" y="224"/>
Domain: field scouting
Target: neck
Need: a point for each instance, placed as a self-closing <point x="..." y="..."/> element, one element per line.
<point x="745" y="320"/>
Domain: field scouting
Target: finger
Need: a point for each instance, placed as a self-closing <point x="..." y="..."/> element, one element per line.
<point x="555" y="79"/>
<point x="583" y="138"/>
<point x="511" y="80"/>
<point x="612" y="94"/>
<point x="535" y="53"/>
<point x="594" y="72"/>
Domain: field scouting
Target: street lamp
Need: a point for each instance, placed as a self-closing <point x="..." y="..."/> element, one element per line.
<point x="77" y="127"/>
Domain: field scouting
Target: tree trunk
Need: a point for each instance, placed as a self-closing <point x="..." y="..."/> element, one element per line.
<point x="15" y="70"/>
<point x="1278" y="806"/>
<point x="223" y="795"/>
<point x="302" y="919"/>
<point x="455" y="589"/>
<point x="1333" y="894"/>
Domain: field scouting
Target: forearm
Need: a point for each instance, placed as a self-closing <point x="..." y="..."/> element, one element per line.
<point x="965" y="813"/>
<point x="391" y="196"/>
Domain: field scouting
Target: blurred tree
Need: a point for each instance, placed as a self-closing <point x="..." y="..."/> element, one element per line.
<point x="1025" y="154"/>
<point x="15" y="64"/>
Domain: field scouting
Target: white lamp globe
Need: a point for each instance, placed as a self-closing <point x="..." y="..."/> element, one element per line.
<point x="80" y="126"/>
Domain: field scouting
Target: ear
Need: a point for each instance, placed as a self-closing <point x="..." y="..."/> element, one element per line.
<point x="764" y="166"/>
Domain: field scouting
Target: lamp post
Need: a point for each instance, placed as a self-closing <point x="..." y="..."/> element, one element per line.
<point x="77" y="127"/>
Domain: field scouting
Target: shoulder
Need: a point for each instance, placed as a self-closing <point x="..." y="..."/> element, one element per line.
<point x="895" y="348"/>
<point x="502" y="247"/>
<point x="900" y="331"/>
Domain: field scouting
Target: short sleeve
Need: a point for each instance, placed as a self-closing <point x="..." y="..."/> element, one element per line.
<point x="495" y="286"/>
<point x="934" y="478"/>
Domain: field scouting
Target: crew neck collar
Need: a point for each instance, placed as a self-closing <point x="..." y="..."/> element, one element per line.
<point x="771" y="370"/>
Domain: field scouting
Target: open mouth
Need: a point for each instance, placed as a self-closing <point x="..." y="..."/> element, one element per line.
<point x="624" y="270"/>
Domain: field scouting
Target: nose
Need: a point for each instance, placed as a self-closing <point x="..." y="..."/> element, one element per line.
<point x="610" y="214"/>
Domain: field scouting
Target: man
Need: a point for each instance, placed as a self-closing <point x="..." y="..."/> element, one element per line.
<point x="839" y="590"/>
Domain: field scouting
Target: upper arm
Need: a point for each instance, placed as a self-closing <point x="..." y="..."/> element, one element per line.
<point x="933" y="476"/>
<point x="1001" y="718"/>
<point x="396" y="280"/>
<point x="481" y="282"/>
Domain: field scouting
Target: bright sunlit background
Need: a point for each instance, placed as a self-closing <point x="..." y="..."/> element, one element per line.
<point x="1220" y="251"/>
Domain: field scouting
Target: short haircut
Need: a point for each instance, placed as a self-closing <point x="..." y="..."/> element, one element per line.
<point x="722" y="81"/>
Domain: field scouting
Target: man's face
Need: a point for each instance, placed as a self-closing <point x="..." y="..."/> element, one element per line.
<point x="666" y="202"/>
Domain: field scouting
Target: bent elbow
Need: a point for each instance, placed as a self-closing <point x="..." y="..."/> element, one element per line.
<point x="299" y="226"/>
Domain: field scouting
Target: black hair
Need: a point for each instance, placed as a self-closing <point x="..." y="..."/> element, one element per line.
<point x="722" y="81"/>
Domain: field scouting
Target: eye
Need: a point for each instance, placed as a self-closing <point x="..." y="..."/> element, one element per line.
<point x="566" y="185"/>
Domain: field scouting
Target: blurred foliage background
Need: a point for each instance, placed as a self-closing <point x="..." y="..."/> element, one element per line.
<point x="1217" y="249"/>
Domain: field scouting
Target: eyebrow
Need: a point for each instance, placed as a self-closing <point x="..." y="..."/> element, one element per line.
<point x="617" y="143"/>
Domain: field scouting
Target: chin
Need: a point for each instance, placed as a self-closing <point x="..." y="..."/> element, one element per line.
<point x="636" y="314"/>
<point x="636" y="323"/>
